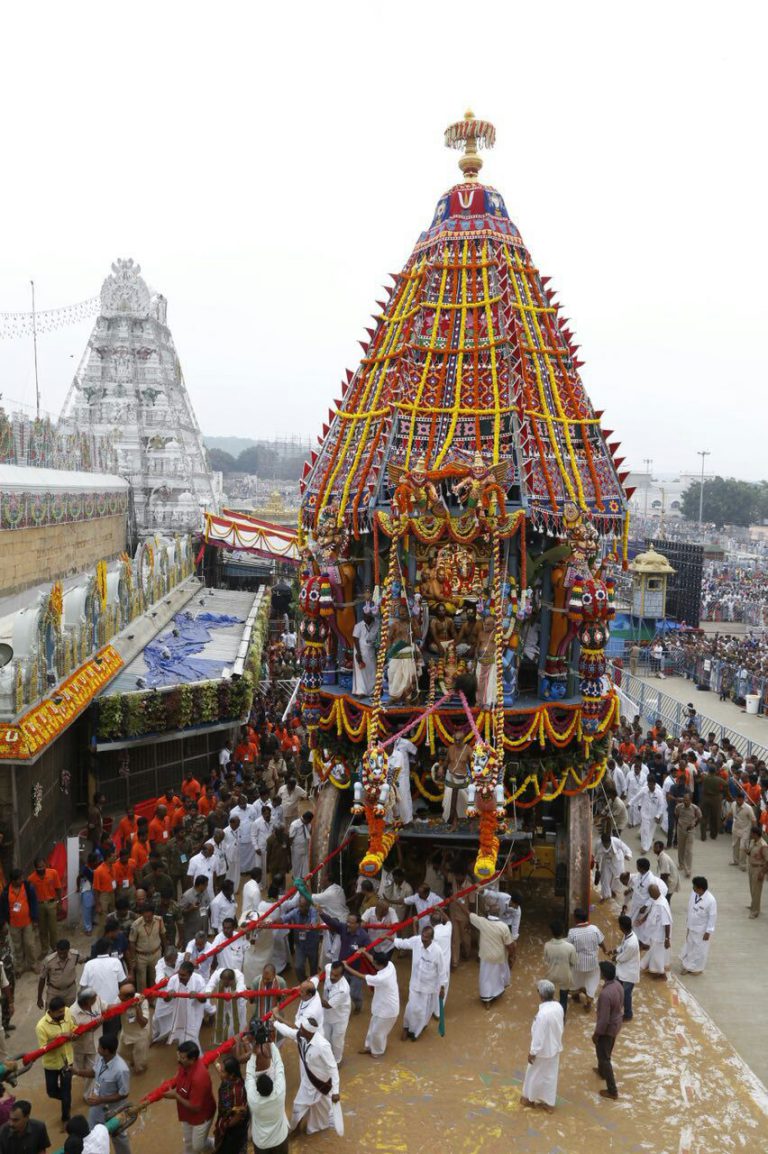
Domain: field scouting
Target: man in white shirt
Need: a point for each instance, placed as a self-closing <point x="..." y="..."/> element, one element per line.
<point x="203" y="864"/>
<point x="635" y="784"/>
<point x="652" y="807"/>
<point x="231" y="851"/>
<point x="260" y="831"/>
<point x="265" y="1090"/>
<point x="627" y="959"/>
<point x="540" y="1085"/>
<point x="337" y="1006"/>
<point x="309" y="1005"/>
<point x="700" y="925"/>
<point x="291" y="795"/>
<point x="318" y="1094"/>
<point x="385" y="1004"/>
<point x="222" y="906"/>
<point x="251" y="896"/>
<point x="419" y="903"/>
<point x="610" y="855"/>
<point x="443" y="932"/>
<point x="245" y="812"/>
<point x="657" y="926"/>
<point x="230" y="1015"/>
<point x="225" y="756"/>
<point x="187" y="1016"/>
<point x="299" y="833"/>
<point x="193" y="951"/>
<point x="428" y="978"/>
<point x="382" y="914"/>
<point x="103" y="973"/>
<point x="639" y="883"/>
<point x="233" y="954"/>
<point x="395" y="889"/>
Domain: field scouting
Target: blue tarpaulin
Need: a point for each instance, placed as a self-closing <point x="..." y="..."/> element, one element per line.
<point x="170" y="658"/>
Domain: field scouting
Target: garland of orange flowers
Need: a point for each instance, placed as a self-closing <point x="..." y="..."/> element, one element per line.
<point x="385" y="611"/>
<point x="625" y="542"/>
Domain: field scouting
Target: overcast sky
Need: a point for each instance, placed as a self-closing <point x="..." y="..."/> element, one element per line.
<point x="268" y="165"/>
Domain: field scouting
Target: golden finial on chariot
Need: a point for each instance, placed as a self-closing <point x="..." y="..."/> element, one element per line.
<point x="470" y="134"/>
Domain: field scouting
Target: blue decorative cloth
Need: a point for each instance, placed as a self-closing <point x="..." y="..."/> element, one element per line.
<point x="170" y="659"/>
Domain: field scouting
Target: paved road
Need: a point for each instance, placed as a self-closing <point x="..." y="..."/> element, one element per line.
<point x="752" y="726"/>
<point x="732" y="986"/>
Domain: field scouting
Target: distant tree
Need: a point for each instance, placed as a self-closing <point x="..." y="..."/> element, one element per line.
<point x="221" y="462"/>
<point x="727" y="501"/>
<point x="258" y="459"/>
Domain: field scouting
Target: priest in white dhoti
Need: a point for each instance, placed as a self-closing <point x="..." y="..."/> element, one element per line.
<point x="495" y="949"/>
<point x="187" y="1012"/>
<point x="611" y="854"/>
<point x="700" y="926"/>
<point x="428" y="980"/>
<point x="651" y="806"/>
<point x="229" y="1016"/>
<point x="162" y="1014"/>
<point x="540" y="1085"/>
<point x="657" y="926"/>
<point x="244" y="844"/>
<point x="318" y="1096"/>
<point x="364" y="640"/>
<point x="251" y="897"/>
<point x="400" y="761"/>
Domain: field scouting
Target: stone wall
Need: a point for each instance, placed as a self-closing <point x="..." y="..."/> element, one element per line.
<point x="33" y="556"/>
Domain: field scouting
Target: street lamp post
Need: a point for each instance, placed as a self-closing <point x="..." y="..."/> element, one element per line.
<point x="703" y="453"/>
<point x="647" y="461"/>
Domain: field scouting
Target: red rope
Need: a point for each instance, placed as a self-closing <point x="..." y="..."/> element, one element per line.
<point x="152" y="991"/>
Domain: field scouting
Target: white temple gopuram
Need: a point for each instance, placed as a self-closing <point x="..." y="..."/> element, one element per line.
<point x="130" y="386"/>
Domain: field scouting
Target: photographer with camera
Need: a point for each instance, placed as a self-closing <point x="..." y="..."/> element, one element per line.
<point x="265" y="1090"/>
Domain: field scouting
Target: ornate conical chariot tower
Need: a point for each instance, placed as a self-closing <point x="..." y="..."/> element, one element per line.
<point x="459" y="523"/>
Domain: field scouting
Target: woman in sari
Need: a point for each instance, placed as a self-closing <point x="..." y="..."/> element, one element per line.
<point x="230" y="1135"/>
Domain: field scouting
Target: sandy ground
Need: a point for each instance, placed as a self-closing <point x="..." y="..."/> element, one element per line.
<point x="683" y="1088"/>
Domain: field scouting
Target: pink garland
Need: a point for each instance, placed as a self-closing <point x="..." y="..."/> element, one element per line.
<point x="470" y="718"/>
<point x="411" y="724"/>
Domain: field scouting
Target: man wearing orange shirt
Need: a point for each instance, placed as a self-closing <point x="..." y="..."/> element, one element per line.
<point x="191" y="787"/>
<point x="205" y="803"/>
<point x="123" y="873"/>
<point x="140" y="850"/>
<point x="104" y="886"/>
<point x="126" y="827"/>
<point x="628" y="751"/>
<point x="172" y="801"/>
<point x="47" y="885"/>
<point x="159" y="830"/>
<point x="18" y="907"/>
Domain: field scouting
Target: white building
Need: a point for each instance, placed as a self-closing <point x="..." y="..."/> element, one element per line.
<point x="130" y="386"/>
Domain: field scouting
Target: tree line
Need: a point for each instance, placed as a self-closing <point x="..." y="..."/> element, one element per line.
<point x="263" y="460"/>
<point x="727" y="501"/>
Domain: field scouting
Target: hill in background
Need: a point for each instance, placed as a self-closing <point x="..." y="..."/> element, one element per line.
<point x="281" y="458"/>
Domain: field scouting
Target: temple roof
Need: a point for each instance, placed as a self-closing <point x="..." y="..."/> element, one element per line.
<point x="468" y="355"/>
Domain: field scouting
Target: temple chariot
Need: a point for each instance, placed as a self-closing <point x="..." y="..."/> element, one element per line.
<point x="459" y="526"/>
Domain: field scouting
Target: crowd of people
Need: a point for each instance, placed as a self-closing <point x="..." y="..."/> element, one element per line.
<point x="735" y="593"/>
<point x="163" y="896"/>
